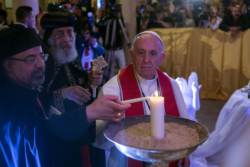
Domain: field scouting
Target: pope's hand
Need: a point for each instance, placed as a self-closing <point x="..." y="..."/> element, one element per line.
<point x="76" y="94"/>
<point x="107" y="108"/>
<point x="185" y="162"/>
<point x="96" y="78"/>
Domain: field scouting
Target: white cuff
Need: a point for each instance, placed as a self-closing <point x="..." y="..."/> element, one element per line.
<point x="95" y="45"/>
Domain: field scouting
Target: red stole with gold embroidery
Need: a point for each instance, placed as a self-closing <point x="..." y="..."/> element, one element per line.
<point x="130" y="90"/>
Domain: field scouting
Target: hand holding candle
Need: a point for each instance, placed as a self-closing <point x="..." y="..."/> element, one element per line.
<point x="157" y="111"/>
<point x="135" y="100"/>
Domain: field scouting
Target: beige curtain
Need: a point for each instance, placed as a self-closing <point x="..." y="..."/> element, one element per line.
<point x="220" y="60"/>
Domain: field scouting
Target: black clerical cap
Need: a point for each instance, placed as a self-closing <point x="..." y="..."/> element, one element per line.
<point x="56" y="19"/>
<point x="16" y="40"/>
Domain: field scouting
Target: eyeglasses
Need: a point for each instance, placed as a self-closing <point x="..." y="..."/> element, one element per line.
<point x="33" y="60"/>
<point x="62" y="35"/>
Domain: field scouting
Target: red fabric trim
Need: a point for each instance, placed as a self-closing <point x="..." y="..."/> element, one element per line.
<point x="39" y="103"/>
<point x="173" y="164"/>
<point x="130" y="90"/>
<point x="85" y="156"/>
<point x="168" y="94"/>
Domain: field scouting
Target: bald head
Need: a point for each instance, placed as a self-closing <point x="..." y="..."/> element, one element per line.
<point x="38" y="25"/>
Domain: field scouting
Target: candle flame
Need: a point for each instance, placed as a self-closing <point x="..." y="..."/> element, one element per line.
<point x="155" y="94"/>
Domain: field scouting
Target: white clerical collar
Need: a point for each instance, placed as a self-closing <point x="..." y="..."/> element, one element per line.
<point x="144" y="81"/>
<point x="21" y="24"/>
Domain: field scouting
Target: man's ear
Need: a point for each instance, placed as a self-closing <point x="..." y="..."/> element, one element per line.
<point x="131" y="52"/>
<point x="36" y="26"/>
<point x="26" y="19"/>
<point x="162" y="58"/>
<point x="7" y="65"/>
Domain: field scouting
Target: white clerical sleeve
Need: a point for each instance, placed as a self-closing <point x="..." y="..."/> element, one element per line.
<point x="110" y="88"/>
<point x="179" y="98"/>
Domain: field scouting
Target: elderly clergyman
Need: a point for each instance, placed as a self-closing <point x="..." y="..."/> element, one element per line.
<point x="139" y="79"/>
<point x="28" y="137"/>
<point x="67" y="86"/>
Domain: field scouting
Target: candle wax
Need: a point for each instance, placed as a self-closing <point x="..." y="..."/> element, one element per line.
<point x="157" y="111"/>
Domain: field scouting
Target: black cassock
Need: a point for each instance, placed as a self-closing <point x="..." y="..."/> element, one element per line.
<point x="61" y="76"/>
<point x="27" y="138"/>
<point x="58" y="77"/>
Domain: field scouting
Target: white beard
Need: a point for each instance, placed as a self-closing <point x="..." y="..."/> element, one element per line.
<point x="61" y="55"/>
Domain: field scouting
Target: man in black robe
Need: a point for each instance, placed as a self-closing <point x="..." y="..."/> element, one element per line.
<point x="27" y="136"/>
<point x="67" y="86"/>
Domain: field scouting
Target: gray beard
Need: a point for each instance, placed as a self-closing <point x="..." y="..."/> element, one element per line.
<point x="37" y="80"/>
<point x="63" y="56"/>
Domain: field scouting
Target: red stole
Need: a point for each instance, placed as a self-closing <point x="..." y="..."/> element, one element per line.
<point x="130" y="90"/>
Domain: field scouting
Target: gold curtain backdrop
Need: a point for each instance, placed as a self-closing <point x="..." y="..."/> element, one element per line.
<point x="221" y="61"/>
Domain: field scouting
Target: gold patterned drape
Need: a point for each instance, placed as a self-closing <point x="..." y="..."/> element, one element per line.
<point x="221" y="61"/>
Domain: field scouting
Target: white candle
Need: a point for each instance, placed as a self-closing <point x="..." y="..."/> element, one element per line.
<point x="157" y="111"/>
<point x="135" y="100"/>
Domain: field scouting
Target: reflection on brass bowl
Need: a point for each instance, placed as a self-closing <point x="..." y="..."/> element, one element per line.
<point x="155" y="156"/>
